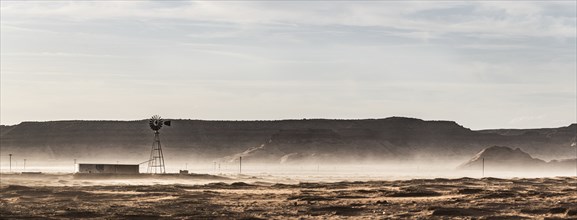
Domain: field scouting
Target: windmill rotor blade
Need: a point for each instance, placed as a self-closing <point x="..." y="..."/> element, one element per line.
<point x="155" y="122"/>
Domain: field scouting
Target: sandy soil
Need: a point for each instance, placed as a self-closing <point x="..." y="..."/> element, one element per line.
<point x="468" y="198"/>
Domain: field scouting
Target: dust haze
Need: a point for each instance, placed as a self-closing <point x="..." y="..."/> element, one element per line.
<point x="288" y="109"/>
<point x="386" y="168"/>
<point x="310" y="195"/>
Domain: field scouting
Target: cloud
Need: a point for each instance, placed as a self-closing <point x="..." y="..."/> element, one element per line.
<point x="475" y="62"/>
<point x="511" y="18"/>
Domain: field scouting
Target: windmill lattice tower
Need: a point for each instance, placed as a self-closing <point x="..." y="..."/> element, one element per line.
<point x="156" y="161"/>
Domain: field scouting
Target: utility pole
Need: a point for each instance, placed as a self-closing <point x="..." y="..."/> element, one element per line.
<point x="74" y="171"/>
<point x="10" y="155"/>
<point x="24" y="164"/>
<point x="574" y="144"/>
<point x="483" y="167"/>
<point x="240" y="166"/>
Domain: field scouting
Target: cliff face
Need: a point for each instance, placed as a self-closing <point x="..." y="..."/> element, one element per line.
<point x="502" y="158"/>
<point x="544" y="143"/>
<point x="276" y="141"/>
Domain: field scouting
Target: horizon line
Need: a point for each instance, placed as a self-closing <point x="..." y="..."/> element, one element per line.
<point x="278" y="120"/>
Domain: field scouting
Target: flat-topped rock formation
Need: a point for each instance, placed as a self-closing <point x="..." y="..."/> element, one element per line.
<point x="387" y="139"/>
<point x="507" y="159"/>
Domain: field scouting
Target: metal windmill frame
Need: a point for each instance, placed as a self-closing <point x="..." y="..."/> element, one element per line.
<point x="156" y="161"/>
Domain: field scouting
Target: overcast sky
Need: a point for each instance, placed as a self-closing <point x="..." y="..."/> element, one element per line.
<point x="484" y="64"/>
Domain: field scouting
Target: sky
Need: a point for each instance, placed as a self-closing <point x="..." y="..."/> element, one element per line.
<point x="483" y="64"/>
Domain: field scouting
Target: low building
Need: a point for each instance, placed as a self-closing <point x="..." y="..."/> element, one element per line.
<point x="108" y="168"/>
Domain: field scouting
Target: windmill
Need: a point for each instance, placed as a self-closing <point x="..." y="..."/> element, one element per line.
<point x="156" y="162"/>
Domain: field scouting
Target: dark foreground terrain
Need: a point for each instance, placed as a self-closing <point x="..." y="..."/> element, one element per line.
<point x="487" y="198"/>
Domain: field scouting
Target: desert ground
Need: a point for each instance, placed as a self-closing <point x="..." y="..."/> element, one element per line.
<point x="64" y="196"/>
